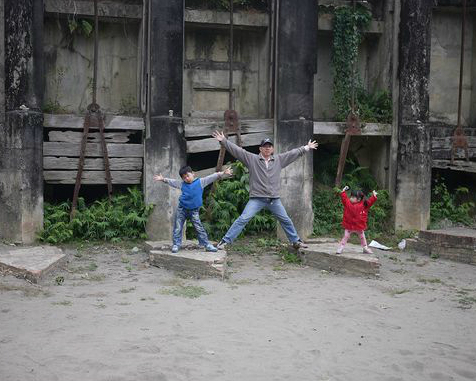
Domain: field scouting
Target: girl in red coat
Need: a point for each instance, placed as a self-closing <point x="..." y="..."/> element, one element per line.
<point x="355" y="216"/>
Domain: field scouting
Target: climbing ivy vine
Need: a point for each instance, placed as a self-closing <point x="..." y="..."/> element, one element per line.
<point x="348" y="28"/>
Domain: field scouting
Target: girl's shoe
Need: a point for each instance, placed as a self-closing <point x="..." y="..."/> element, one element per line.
<point x="339" y="250"/>
<point x="211" y="248"/>
<point x="367" y="250"/>
<point x="175" y="249"/>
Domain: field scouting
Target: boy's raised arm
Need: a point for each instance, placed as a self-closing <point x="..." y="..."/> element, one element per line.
<point x="173" y="183"/>
<point x="207" y="180"/>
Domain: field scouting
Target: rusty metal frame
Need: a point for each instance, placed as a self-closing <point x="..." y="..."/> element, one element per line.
<point x="93" y="118"/>
<point x="459" y="139"/>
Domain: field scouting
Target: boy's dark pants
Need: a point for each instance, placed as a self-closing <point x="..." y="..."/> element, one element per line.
<point x="181" y="215"/>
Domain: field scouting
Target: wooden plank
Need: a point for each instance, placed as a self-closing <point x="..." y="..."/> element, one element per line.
<point x="115" y="163"/>
<point x="206" y="145"/>
<point x="205" y="172"/>
<point x="222" y="19"/>
<point x="92" y="149"/>
<point x="459" y="165"/>
<point x="204" y="127"/>
<point x="447" y="141"/>
<point x="338" y="128"/>
<point x="93" y="137"/>
<point x="113" y="122"/>
<point x="86" y="8"/>
<point x="441" y="148"/>
<point x="92" y="177"/>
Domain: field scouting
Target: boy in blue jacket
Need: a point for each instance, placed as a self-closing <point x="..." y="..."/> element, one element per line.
<point x="190" y="202"/>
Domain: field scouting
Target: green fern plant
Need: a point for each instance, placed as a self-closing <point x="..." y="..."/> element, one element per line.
<point x="124" y="217"/>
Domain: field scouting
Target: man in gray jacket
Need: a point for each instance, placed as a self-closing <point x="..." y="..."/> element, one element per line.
<point x="265" y="182"/>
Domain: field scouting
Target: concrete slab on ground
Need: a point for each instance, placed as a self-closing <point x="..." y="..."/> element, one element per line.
<point x="191" y="260"/>
<point x="31" y="263"/>
<point x="457" y="244"/>
<point x="352" y="261"/>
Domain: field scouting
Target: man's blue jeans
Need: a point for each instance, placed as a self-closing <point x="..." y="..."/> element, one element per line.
<point x="253" y="206"/>
<point x="181" y="215"/>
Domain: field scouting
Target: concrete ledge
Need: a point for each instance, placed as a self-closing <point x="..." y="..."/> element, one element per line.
<point x="191" y="260"/>
<point x="456" y="244"/>
<point x="352" y="261"/>
<point x="31" y="263"/>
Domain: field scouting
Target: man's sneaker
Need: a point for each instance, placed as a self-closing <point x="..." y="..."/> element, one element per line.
<point x="211" y="248"/>
<point x="221" y="245"/>
<point x="299" y="245"/>
<point x="339" y="250"/>
<point x="175" y="249"/>
<point x="367" y="250"/>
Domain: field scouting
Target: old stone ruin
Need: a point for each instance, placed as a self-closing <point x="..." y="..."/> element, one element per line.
<point x="164" y="82"/>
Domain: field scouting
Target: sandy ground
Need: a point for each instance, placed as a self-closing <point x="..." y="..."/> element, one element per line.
<point x="115" y="318"/>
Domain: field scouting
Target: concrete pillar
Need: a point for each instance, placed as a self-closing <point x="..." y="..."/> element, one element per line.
<point x="21" y="134"/>
<point x="296" y="66"/>
<point x="165" y="146"/>
<point x="413" y="170"/>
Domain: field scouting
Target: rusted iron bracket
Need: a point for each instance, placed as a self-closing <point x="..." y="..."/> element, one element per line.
<point x="95" y="119"/>
<point x="459" y="141"/>
<point x="353" y="128"/>
<point x="232" y="125"/>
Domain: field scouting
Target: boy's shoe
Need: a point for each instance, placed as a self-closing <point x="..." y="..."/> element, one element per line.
<point x="339" y="250"/>
<point x="175" y="249"/>
<point x="221" y="245"/>
<point x="299" y="245"/>
<point x="211" y="248"/>
<point x="367" y="250"/>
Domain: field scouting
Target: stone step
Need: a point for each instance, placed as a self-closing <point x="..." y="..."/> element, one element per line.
<point x="352" y="261"/>
<point x="31" y="263"/>
<point x="456" y="244"/>
<point x="191" y="260"/>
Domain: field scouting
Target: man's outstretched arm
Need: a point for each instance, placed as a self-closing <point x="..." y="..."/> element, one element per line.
<point x="287" y="158"/>
<point x="238" y="152"/>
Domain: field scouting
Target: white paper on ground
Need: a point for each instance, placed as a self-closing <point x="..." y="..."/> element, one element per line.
<point x="377" y="245"/>
<point x="402" y="244"/>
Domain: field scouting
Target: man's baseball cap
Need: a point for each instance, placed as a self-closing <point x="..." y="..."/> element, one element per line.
<point x="266" y="141"/>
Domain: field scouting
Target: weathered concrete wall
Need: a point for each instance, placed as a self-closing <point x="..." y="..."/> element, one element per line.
<point x="206" y="72"/>
<point x="69" y="67"/>
<point x="296" y="67"/>
<point x="413" y="172"/>
<point x="444" y="68"/>
<point x="2" y="65"/>
<point x="21" y="134"/>
<point x="323" y="80"/>
<point x="165" y="150"/>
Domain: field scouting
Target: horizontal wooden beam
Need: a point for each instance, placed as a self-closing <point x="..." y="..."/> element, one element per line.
<point x="115" y="163"/>
<point x="205" y="127"/>
<point x="205" y="172"/>
<point x="92" y="149"/>
<point x="206" y="145"/>
<point x="92" y="177"/>
<point x="201" y="17"/>
<point x="93" y="137"/>
<point x="338" y="128"/>
<point x="108" y="9"/>
<point x="441" y="148"/>
<point x="113" y="122"/>
<point x="458" y="165"/>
